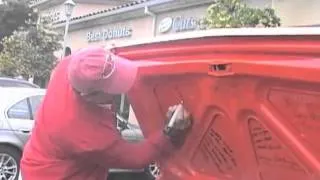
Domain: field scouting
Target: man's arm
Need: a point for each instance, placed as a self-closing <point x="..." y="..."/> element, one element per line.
<point x="126" y="155"/>
<point x="121" y="154"/>
<point x="102" y="144"/>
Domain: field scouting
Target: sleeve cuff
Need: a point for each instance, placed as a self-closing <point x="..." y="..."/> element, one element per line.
<point x="162" y="142"/>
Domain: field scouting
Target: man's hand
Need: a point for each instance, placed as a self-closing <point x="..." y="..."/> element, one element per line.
<point x="183" y="123"/>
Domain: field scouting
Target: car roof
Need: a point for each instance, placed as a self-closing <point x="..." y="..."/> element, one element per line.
<point x="9" y="95"/>
<point x="7" y="79"/>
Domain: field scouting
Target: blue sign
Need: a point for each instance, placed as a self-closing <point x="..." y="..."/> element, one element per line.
<point x="184" y="24"/>
<point x="180" y="24"/>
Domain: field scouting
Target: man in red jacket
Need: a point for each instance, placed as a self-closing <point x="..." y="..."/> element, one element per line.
<point x="75" y="135"/>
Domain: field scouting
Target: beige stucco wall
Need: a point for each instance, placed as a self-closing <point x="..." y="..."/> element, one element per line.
<point x="197" y="13"/>
<point x="140" y="28"/>
<point x="259" y="3"/>
<point x="79" y="9"/>
<point x="292" y="12"/>
<point x="298" y="12"/>
<point x="82" y="9"/>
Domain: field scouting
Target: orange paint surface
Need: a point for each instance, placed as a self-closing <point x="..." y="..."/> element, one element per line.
<point x="255" y="101"/>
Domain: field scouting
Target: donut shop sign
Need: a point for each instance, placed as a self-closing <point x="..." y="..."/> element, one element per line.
<point x="108" y="34"/>
<point x="179" y="24"/>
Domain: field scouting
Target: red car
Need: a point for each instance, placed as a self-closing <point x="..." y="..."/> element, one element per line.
<point x="253" y="93"/>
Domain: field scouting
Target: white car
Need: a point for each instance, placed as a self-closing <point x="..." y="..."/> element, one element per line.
<point x="17" y="110"/>
<point x="11" y="82"/>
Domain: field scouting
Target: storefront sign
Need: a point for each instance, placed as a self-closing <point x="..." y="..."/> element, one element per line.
<point x="53" y="14"/>
<point x="165" y="25"/>
<point x="107" y="34"/>
<point x="179" y="24"/>
<point x="33" y="2"/>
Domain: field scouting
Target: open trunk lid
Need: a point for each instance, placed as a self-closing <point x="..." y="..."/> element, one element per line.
<point x="254" y="95"/>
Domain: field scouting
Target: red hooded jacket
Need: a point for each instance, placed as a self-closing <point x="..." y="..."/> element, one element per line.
<point x="73" y="140"/>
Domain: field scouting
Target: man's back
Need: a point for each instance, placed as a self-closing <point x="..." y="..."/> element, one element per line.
<point x="62" y="120"/>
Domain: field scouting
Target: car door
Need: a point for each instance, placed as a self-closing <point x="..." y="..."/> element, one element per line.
<point x="20" y="117"/>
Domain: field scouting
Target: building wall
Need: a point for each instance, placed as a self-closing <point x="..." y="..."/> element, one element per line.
<point x="179" y="20"/>
<point x="58" y="13"/>
<point x="82" y="9"/>
<point x="186" y="19"/>
<point x="110" y="33"/>
<point x="140" y="27"/>
<point x="292" y="12"/>
<point x="259" y="3"/>
<point x="298" y="12"/>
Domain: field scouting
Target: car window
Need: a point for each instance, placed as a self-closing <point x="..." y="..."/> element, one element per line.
<point x="20" y="110"/>
<point x="35" y="102"/>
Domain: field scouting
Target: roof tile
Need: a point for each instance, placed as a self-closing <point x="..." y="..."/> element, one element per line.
<point x="104" y="11"/>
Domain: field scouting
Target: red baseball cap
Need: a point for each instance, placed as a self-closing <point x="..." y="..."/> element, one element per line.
<point x="96" y="69"/>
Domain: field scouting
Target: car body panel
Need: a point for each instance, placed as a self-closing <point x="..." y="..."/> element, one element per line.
<point x="15" y="131"/>
<point x="10" y="137"/>
<point x="18" y="128"/>
<point x="253" y="94"/>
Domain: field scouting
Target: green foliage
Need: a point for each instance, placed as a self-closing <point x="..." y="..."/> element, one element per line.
<point x="235" y="14"/>
<point x="15" y="14"/>
<point x="29" y="52"/>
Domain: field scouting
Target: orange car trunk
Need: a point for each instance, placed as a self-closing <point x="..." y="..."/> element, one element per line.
<point x="255" y="99"/>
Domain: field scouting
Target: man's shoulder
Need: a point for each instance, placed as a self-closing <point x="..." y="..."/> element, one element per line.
<point x="64" y="62"/>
